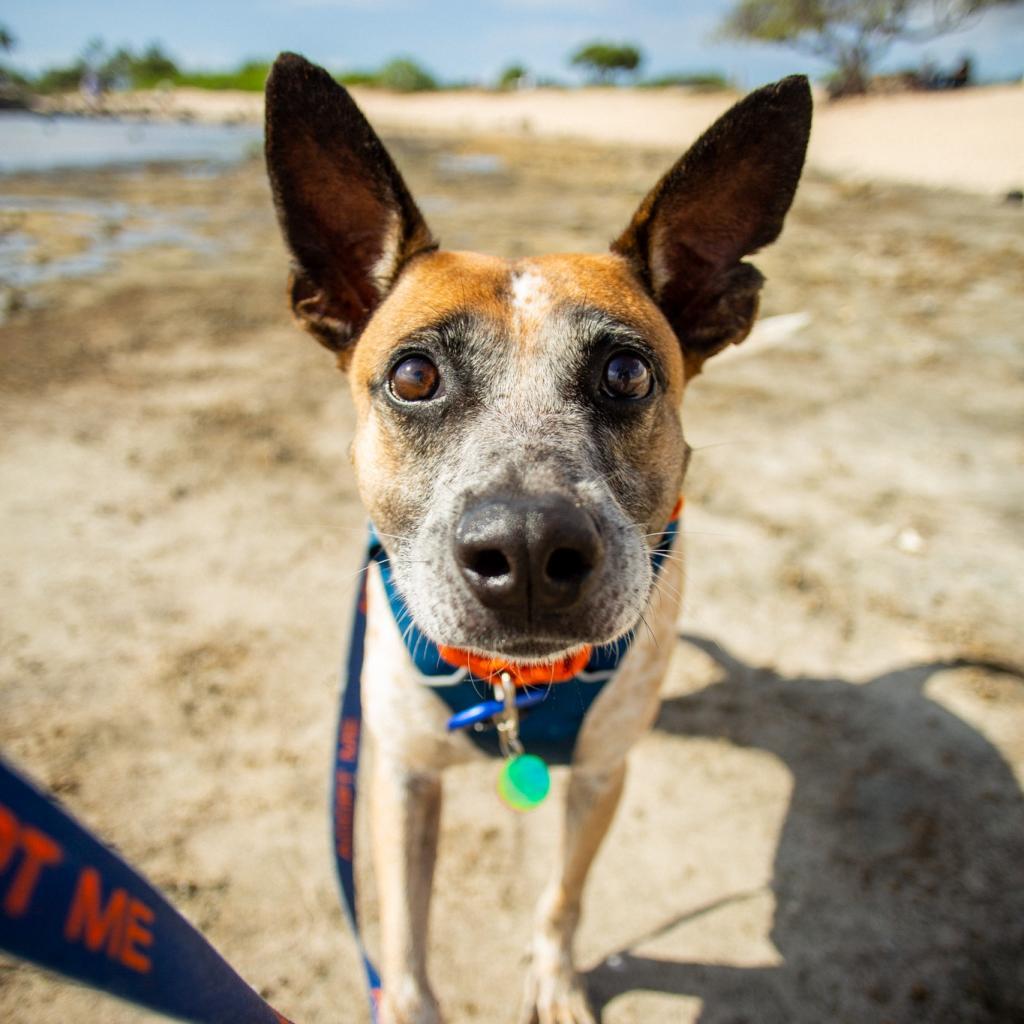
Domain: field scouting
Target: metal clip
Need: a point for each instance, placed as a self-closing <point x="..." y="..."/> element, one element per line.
<point x="507" y="720"/>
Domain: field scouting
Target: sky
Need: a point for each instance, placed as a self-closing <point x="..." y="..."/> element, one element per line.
<point x="458" y="39"/>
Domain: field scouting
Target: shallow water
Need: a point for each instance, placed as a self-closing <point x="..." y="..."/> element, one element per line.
<point x="32" y="142"/>
<point x="101" y="230"/>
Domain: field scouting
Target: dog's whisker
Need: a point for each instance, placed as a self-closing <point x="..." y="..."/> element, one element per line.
<point x="348" y="577"/>
<point x="365" y="529"/>
<point x="663" y="584"/>
<point x="715" y="444"/>
<point x="406" y="633"/>
<point x="669" y="557"/>
<point x="394" y="536"/>
<point x="416" y="648"/>
<point x="654" y="638"/>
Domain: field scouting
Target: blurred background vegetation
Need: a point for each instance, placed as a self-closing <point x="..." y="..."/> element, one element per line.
<point x="104" y="68"/>
<point x="850" y="35"/>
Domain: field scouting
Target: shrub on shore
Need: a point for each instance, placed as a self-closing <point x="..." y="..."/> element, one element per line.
<point x="249" y="77"/>
<point x="699" y="81"/>
<point x="124" y="68"/>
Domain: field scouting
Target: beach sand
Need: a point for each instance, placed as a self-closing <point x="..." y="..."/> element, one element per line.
<point x="826" y="823"/>
<point x="970" y="140"/>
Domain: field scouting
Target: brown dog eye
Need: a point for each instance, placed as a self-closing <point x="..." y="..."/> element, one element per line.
<point x="628" y="376"/>
<point x="415" y="379"/>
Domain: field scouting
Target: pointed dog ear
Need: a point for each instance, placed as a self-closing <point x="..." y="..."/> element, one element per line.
<point x="344" y="210"/>
<point x="725" y="198"/>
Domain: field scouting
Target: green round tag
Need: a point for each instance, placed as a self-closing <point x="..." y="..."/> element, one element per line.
<point x="524" y="782"/>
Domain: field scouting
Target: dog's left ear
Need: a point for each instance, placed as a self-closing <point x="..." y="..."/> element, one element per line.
<point x="725" y="198"/>
<point x="345" y="212"/>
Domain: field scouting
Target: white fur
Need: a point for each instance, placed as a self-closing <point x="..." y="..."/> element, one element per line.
<point x="530" y="294"/>
<point x="386" y="268"/>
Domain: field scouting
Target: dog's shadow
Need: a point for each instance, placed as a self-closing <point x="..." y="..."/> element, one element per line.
<point x="899" y="873"/>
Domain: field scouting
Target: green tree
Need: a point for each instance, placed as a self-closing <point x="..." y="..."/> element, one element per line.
<point x="124" y="68"/>
<point x="405" y="75"/>
<point x="511" y="76"/>
<point x="68" y="77"/>
<point x="153" y="65"/>
<point x="603" y="61"/>
<point x="851" y="34"/>
<point x="60" y="79"/>
<point x="11" y="82"/>
<point x="116" y="70"/>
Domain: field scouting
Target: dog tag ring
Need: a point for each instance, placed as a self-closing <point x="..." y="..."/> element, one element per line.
<point x="524" y="780"/>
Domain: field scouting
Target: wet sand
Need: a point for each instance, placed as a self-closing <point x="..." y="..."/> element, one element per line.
<point x="827" y="821"/>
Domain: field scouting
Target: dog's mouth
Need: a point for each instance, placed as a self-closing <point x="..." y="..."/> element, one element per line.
<point x="533" y="652"/>
<point x="533" y="646"/>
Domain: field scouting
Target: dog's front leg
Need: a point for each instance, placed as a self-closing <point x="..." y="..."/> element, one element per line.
<point x="405" y="811"/>
<point x="554" y="993"/>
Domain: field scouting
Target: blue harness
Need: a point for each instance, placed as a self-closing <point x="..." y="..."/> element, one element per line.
<point x="551" y="728"/>
<point x="551" y="717"/>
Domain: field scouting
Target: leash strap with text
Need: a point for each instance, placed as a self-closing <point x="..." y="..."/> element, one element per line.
<point x="346" y="768"/>
<point x="70" y="904"/>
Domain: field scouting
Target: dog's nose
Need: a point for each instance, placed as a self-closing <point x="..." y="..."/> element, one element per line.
<point x="528" y="554"/>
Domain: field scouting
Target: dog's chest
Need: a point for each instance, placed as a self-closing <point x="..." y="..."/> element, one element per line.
<point x="407" y="716"/>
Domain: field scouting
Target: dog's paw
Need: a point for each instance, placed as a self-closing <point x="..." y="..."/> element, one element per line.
<point x="409" y="1004"/>
<point x="555" y="997"/>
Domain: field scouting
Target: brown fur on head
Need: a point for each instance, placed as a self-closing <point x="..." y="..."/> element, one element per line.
<point x="520" y="347"/>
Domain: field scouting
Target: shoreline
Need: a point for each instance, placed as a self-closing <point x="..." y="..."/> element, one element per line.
<point x="968" y="140"/>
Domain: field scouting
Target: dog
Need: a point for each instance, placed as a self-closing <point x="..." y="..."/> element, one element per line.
<point x="519" y="449"/>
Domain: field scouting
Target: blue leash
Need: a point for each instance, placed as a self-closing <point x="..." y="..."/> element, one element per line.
<point x="344" y="788"/>
<point x="70" y="904"/>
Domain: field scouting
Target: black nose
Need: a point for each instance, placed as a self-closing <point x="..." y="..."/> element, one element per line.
<point x="528" y="554"/>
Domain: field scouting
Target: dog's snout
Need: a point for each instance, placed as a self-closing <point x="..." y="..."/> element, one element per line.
<point x="528" y="555"/>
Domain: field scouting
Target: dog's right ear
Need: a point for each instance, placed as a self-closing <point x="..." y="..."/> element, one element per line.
<point x="344" y="210"/>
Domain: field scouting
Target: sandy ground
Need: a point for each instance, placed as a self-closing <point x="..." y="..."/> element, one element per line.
<point x="827" y="822"/>
<point x="970" y="140"/>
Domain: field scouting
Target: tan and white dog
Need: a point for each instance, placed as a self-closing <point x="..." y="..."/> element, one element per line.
<point x="519" y="446"/>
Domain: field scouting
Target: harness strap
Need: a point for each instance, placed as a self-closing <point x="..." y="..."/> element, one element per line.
<point x="71" y="905"/>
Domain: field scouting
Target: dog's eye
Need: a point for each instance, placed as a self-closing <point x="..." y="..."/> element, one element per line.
<point x="415" y="379"/>
<point x="627" y="375"/>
